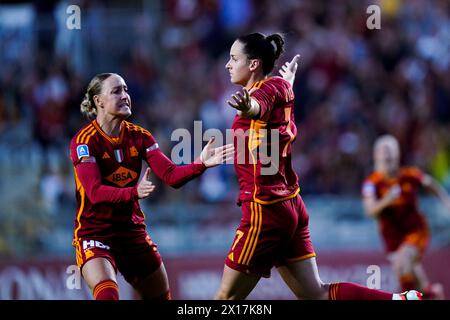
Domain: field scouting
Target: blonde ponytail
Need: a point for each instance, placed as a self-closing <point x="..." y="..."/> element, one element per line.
<point x="87" y="106"/>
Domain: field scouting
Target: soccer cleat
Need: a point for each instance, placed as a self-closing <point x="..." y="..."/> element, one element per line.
<point x="408" y="295"/>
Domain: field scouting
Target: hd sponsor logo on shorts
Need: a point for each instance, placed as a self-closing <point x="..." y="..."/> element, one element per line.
<point x="88" y="244"/>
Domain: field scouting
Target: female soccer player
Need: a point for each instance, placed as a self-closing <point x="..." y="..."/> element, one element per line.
<point x="390" y="196"/>
<point x="110" y="233"/>
<point x="274" y="225"/>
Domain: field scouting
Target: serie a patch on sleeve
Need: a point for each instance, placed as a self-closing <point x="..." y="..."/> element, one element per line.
<point x="152" y="147"/>
<point x="368" y="189"/>
<point x="82" y="151"/>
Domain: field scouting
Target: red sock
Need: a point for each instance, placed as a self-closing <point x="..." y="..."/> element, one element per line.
<point x="351" y="291"/>
<point x="428" y="294"/>
<point x="106" y="290"/>
<point x="408" y="282"/>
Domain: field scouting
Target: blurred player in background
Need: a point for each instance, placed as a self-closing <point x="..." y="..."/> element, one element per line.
<point x="390" y="196"/>
<point x="107" y="153"/>
<point x="274" y="226"/>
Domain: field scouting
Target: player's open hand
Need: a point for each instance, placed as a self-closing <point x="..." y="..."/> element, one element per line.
<point x="145" y="186"/>
<point x="394" y="192"/>
<point x="288" y="70"/>
<point x="211" y="157"/>
<point x="240" y="101"/>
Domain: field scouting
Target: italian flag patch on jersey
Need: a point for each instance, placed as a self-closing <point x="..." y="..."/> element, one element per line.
<point x="119" y="155"/>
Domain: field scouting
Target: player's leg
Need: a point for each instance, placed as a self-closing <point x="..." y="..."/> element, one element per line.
<point x="100" y="276"/>
<point x="421" y="276"/>
<point x="155" y="286"/>
<point x="304" y="280"/>
<point x="406" y="263"/>
<point x="141" y="265"/>
<point x="299" y="268"/>
<point x="98" y="268"/>
<point x="236" y="285"/>
<point x="251" y="254"/>
<point x="431" y="291"/>
<point x="302" y="277"/>
<point x="403" y="261"/>
<point x="297" y="265"/>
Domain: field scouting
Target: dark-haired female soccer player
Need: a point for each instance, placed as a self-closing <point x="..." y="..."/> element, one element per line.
<point x="274" y="225"/>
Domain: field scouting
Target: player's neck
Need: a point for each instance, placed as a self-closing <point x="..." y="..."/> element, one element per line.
<point x="253" y="79"/>
<point x="110" y="126"/>
<point x="390" y="174"/>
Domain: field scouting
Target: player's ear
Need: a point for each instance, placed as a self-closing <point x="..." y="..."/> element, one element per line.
<point x="254" y="64"/>
<point x="97" y="100"/>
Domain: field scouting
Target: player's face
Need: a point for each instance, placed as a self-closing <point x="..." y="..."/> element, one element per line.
<point x="387" y="158"/>
<point x="115" y="98"/>
<point x="238" y="65"/>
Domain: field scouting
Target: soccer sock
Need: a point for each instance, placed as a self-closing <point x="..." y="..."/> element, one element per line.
<point x="106" y="290"/>
<point x="352" y="291"/>
<point x="428" y="293"/>
<point x="407" y="282"/>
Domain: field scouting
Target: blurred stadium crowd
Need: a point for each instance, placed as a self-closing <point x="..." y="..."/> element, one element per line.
<point x="352" y="85"/>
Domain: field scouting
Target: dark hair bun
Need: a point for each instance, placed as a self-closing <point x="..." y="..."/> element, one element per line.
<point x="278" y="40"/>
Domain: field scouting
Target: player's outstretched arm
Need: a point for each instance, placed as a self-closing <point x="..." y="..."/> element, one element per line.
<point x="244" y="104"/>
<point x="373" y="207"/>
<point x="432" y="185"/>
<point x="177" y="175"/>
<point x="212" y="157"/>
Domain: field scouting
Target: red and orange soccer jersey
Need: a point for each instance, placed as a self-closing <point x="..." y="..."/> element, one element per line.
<point x="276" y="100"/>
<point x="107" y="171"/>
<point x="401" y="221"/>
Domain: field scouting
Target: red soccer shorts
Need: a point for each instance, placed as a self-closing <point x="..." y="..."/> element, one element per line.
<point x="418" y="239"/>
<point x="135" y="255"/>
<point x="270" y="235"/>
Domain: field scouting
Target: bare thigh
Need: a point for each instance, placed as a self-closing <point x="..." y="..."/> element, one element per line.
<point x="406" y="261"/>
<point x="96" y="270"/>
<point x="236" y="285"/>
<point x="155" y="285"/>
<point x="302" y="277"/>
